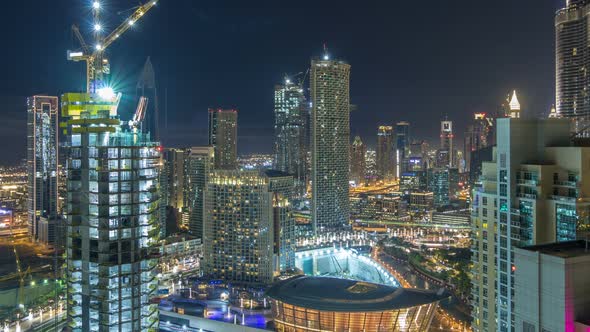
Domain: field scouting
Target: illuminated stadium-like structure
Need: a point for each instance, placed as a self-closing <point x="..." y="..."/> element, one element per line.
<point x="343" y="263"/>
<point x="322" y="304"/>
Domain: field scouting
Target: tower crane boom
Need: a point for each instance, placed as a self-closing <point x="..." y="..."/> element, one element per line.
<point x="97" y="65"/>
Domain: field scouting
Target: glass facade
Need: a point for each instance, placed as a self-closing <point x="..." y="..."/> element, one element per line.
<point x="566" y="220"/>
<point x="385" y="153"/>
<point x="290" y="154"/>
<point x="358" y="165"/>
<point x="290" y="318"/>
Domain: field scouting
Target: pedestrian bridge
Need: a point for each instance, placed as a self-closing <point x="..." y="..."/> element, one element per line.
<point x="347" y="263"/>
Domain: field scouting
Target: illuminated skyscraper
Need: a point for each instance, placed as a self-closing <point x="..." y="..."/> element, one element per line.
<point x="446" y="153"/>
<point x="223" y="136"/>
<point x="248" y="225"/>
<point x="385" y="153"/>
<point x="402" y="147"/>
<point x="42" y="163"/>
<point x="113" y="218"/>
<point x="442" y="182"/>
<point x="480" y="135"/>
<point x="572" y="59"/>
<point x="175" y="163"/>
<point x="330" y="143"/>
<point x="357" y="161"/>
<point x="529" y="194"/>
<point x="290" y="119"/>
<point x="200" y="163"/>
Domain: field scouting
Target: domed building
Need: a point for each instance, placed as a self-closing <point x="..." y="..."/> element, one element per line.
<point x="306" y="304"/>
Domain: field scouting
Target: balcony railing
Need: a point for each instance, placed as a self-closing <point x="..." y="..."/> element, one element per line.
<point x="563" y="198"/>
<point x="528" y="196"/>
<point x="572" y="184"/>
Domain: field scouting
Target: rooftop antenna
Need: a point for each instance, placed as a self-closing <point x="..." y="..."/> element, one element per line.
<point x="326" y="55"/>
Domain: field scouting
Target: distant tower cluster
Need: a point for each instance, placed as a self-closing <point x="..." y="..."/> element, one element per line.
<point x="290" y="129"/>
<point x="223" y="136"/>
<point x="330" y="140"/>
<point x="42" y="171"/>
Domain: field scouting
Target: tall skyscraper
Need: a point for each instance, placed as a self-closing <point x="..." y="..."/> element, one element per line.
<point x="42" y="163"/>
<point x="146" y="87"/>
<point x="223" y="136"/>
<point x="112" y="218"/>
<point x="446" y="153"/>
<point x="529" y="194"/>
<point x="442" y="182"/>
<point x="176" y="163"/>
<point x="249" y="228"/>
<point x="480" y="134"/>
<point x="357" y="161"/>
<point x="402" y="147"/>
<point x="572" y="58"/>
<point x="385" y="153"/>
<point x="330" y="136"/>
<point x="290" y="119"/>
<point x="201" y="161"/>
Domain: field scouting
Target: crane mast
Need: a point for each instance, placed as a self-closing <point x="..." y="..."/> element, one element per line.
<point x="97" y="65"/>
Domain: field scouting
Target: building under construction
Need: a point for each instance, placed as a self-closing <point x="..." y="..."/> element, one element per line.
<point x="112" y="204"/>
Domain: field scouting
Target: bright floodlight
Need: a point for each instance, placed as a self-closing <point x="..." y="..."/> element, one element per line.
<point x="96" y="5"/>
<point x="106" y="93"/>
<point x="97" y="27"/>
<point x="131" y="22"/>
<point x="288" y="81"/>
<point x="326" y="57"/>
<point x="98" y="47"/>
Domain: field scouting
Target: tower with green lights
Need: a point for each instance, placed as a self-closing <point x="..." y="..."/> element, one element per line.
<point x="113" y="222"/>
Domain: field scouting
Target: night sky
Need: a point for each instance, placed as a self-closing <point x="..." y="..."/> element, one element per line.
<point x="414" y="60"/>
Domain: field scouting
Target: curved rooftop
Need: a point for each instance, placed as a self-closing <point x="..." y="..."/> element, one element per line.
<point x="345" y="295"/>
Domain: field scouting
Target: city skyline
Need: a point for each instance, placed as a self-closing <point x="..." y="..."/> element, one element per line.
<point x="381" y="166"/>
<point x="384" y="94"/>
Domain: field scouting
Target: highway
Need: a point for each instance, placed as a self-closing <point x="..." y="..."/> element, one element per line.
<point x="45" y="323"/>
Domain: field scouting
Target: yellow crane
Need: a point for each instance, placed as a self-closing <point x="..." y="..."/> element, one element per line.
<point x="97" y="65"/>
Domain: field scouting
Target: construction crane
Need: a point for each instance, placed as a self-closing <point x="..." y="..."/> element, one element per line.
<point x="97" y="65"/>
<point x="302" y="77"/>
<point x="139" y="115"/>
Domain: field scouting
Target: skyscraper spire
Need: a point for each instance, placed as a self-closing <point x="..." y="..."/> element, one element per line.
<point x="514" y="104"/>
<point x="146" y="87"/>
<point x="147" y="79"/>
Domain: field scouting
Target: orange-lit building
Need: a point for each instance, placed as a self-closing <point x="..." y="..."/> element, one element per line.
<point x="306" y="304"/>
